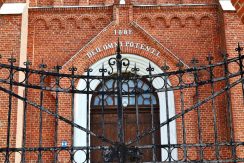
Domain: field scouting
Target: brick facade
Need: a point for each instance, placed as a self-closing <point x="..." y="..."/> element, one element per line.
<point x="71" y="35"/>
<point x="239" y="5"/>
<point x="111" y="2"/>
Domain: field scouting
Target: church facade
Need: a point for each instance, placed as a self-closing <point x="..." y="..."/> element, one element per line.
<point x="84" y="34"/>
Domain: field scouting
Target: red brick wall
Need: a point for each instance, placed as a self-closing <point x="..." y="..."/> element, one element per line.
<point x="239" y="5"/>
<point x="103" y="2"/>
<point x="193" y="28"/>
<point x="54" y="29"/>
<point x="234" y="30"/>
<point x="10" y="27"/>
<point x="56" y="35"/>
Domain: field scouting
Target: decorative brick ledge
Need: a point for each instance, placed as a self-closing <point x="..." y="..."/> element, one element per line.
<point x="239" y="5"/>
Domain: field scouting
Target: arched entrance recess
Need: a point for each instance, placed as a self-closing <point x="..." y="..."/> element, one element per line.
<point x="142" y="63"/>
<point x="104" y="121"/>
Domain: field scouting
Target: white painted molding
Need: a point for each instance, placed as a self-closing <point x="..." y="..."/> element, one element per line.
<point x="13" y="8"/>
<point x="122" y="2"/>
<point x="80" y="112"/>
<point x="227" y="5"/>
<point x="23" y="58"/>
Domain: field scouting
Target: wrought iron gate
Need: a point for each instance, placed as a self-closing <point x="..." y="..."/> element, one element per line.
<point x="203" y="113"/>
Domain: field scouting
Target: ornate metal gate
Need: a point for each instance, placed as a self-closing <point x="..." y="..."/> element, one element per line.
<point x="204" y="123"/>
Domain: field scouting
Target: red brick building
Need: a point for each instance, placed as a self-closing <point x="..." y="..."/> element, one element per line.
<point x="239" y="5"/>
<point x="84" y="33"/>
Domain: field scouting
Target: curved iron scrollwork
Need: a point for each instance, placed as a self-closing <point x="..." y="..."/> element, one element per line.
<point x="118" y="61"/>
<point x="121" y="149"/>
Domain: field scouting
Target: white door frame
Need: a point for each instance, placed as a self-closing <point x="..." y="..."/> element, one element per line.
<point x="80" y="111"/>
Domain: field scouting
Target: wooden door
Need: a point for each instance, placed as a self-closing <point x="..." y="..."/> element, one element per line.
<point x="130" y="128"/>
<point x="109" y="116"/>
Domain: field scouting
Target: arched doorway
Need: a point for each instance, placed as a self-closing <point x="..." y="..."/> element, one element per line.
<point x="80" y="113"/>
<point x="140" y="111"/>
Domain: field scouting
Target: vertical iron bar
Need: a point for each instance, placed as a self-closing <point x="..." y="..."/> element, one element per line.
<point x="88" y="112"/>
<point x="209" y="59"/>
<point x="11" y="78"/>
<point x="119" y="103"/>
<point x="72" y="69"/>
<point x="119" y="100"/>
<point x="165" y="68"/>
<point x="57" y="68"/>
<point x="182" y="106"/>
<point x="194" y="61"/>
<point x="42" y="77"/>
<point x="103" y="84"/>
<point x="27" y="63"/>
<point x="230" y="122"/>
<point x="239" y="49"/>
<point x="150" y="69"/>
<point x="135" y="69"/>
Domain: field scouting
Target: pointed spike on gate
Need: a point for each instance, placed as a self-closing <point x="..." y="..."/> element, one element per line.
<point x="118" y="51"/>
<point x="135" y="69"/>
<point x="42" y="65"/>
<point x="57" y="67"/>
<point x="165" y="67"/>
<point x="225" y="55"/>
<point x="180" y="64"/>
<point x="12" y="59"/>
<point x="209" y="58"/>
<point x="194" y="61"/>
<point x="150" y="68"/>
<point x="88" y="70"/>
<point x="239" y="48"/>
<point x="103" y="66"/>
<point x="102" y="69"/>
<point x="72" y="68"/>
<point x="27" y="63"/>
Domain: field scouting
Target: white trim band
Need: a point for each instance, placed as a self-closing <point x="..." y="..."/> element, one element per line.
<point x="13" y="8"/>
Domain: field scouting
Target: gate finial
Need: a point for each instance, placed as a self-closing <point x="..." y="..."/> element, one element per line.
<point x="239" y="48"/>
<point x="194" y="61"/>
<point x="42" y="65"/>
<point x="180" y="65"/>
<point x="118" y="51"/>
<point x="209" y="58"/>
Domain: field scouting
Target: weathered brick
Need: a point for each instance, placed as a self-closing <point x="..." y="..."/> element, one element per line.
<point x="55" y="35"/>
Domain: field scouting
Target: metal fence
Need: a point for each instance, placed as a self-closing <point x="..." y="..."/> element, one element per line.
<point x="199" y="130"/>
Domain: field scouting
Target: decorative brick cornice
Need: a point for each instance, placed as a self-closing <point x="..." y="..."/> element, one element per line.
<point x="168" y="17"/>
<point x="239" y="5"/>
<point x="78" y="19"/>
<point x="71" y="8"/>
